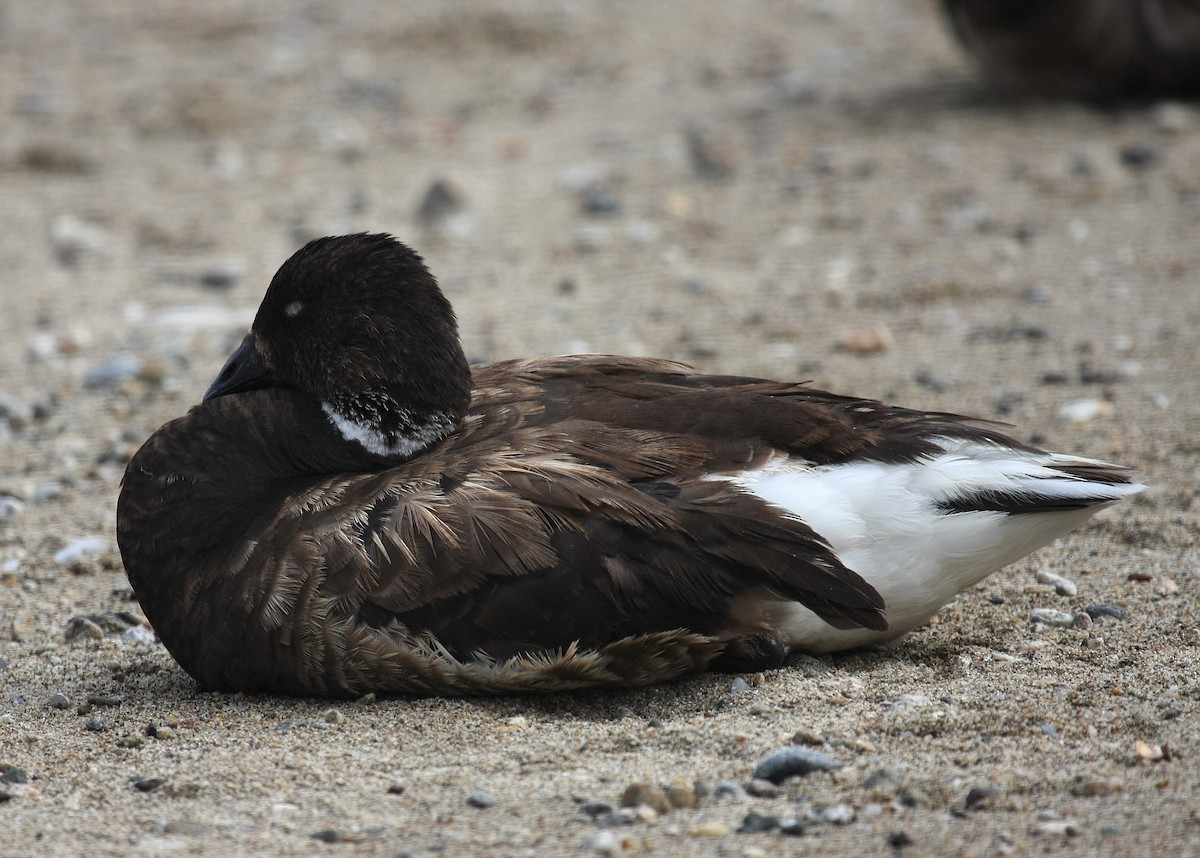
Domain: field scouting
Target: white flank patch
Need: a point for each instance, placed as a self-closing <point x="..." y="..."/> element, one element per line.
<point x="884" y="522"/>
<point x="377" y="443"/>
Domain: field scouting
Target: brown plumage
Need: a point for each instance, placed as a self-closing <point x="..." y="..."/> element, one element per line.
<point x="1092" y="49"/>
<point x="577" y="523"/>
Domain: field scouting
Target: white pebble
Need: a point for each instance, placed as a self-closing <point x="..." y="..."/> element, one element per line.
<point x="602" y="843"/>
<point x="89" y="546"/>
<point x="1052" y="617"/>
<point x="1085" y="410"/>
<point x="1062" y="586"/>
<point x="139" y="635"/>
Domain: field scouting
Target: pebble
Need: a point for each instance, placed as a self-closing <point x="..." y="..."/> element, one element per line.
<point x="1146" y="751"/>
<point x="804" y="736"/>
<point x="481" y="799"/>
<point x="598" y="202"/>
<point x="224" y="276"/>
<point x="114" y="371"/>
<point x="96" y="724"/>
<point x="738" y="686"/>
<point x="651" y="795"/>
<point x="792" y="828"/>
<point x="82" y="549"/>
<point x="58" y="700"/>
<point x="1057" y="828"/>
<point x="139" y="635"/>
<point x="82" y="629"/>
<point x="899" y="838"/>
<point x="836" y="814"/>
<point x="157" y="731"/>
<point x="443" y="207"/>
<point x="10" y="509"/>
<point x="72" y="236"/>
<point x="13" y="775"/>
<point x="866" y="341"/>
<point x="708" y="159"/>
<point x="710" y="829"/>
<point x="603" y="842"/>
<point x="1085" y="410"/>
<point x="730" y="789"/>
<point x="681" y="794"/>
<point x="47" y="492"/>
<point x="1114" y="611"/>
<point x="596" y="808"/>
<point x="753" y="823"/>
<point x="1052" y="617"/>
<point x="16" y="413"/>
<point x="787" y="762"/>
<point x="762" y="788"/>
<point x="980" y="798"/>
<point x="1062" y="586"/>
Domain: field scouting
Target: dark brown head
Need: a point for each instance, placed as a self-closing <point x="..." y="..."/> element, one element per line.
<point x="360" y="323"/>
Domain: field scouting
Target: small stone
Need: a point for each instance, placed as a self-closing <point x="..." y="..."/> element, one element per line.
<point x="787" y="762"/>
<point x="598" y="202"/>
<point x="709" y="159"/>
<point x="1085" y="410"/>
<point x="73" y="236"/>
<point x="1139" y="156"/>
<point x="139" y="635"/>
<point x="58" y="700"/>
<point x="792" y="828"/>
<point x="327" y="835"/>
<point x="155" y="731"/>
<point x="710" y="829"/>
<point x="1174" y="118"/>
<point x="148" y="784"/>
<point x="730" y="789"/>
<point x="443" y="207"/>
<point x="1166" y="587"/>
<point x="104" y="700"/>
<point x="1062" y="586"/>
<point x="131" y="741"/>
<point x="649" y="794"/>
<point x="1146" y="751"/>
<point x="1116" y="612"/>
<point x="481" y="799"/>
<point x="1096" y="788"/>
<point x="82" y="629"/>
<point x="836" y="814"/>
<point x="10" y="509"/>
<point x="738" y="686"/>
<point x="804" y="736"/>
<point x="82" y="549"/>
<point x="866" y="341"/>
<point x="753" y="823"/>
<point x="223" y="276"/>
<point x="13" y="775"/>
<point x="602" y="842"/>
<point x="113" y="372"/>
<point x="899" y="838"/>
<point x="96" y="724"/>
<point x="333" y="716"/>
<point x="396" y="788"/>
<point x="596" y="808"/>
<point x="980" y="798"/>
<point x="762" y="788"/>
<point x="681" y="794"/>
<point x="1057" y="828"/>
<point x="1052" y="617"/>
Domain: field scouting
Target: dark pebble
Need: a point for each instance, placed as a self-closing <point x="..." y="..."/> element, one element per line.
<point x="596" y="808"/>
<point x="103" y="700"/>
<point x="96" y="724"/>
<point x="219" y="278"/>
<point x="481" y="799"/>
<point x="980" y="798"/>
<point x="899" y="838"/>
<point x="600" y="203"/>
<point x="1114" y="611"/>
<point x="788" y="762"/>
<point x="934" y="381"/>
<point x="148" y="784"/>
<point x="792" y="828"/>
<point x="1140" y="155"/>
<point x="13" y="775"/>
<point x="440" y="201"/>
<point x="757" y="822"/>
<point x="327" y="835"/>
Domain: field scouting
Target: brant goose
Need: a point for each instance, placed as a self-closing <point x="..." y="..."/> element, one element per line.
<point x="1101" y="50"/>
<point x="353" y="509"/>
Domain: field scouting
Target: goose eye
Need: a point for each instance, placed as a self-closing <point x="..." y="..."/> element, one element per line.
<point x="293" y="309"/>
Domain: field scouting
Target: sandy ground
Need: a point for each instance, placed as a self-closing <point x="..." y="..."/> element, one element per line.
<point x="800" y="189"/>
